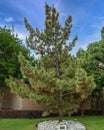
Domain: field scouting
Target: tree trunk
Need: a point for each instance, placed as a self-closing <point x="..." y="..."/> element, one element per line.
<point x="60" y="115"/>
<point x="60" y="109"/>
<point x="1" y="98"/>
<point x="60" y="93"/>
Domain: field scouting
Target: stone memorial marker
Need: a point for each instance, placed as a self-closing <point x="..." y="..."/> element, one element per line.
<point x="64" y="125"/>
<point x="61" y="126"/>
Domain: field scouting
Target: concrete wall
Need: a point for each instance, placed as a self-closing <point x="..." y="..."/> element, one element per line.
<point x="15" y="102"/>
<point x="30" y="105"/>
<point x="12" y="101"/>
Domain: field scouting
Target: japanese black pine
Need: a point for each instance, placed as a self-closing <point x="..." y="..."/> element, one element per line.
<point x="56" y="79"/>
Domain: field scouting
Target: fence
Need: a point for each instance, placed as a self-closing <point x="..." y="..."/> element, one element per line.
<point x="20" y="114"/>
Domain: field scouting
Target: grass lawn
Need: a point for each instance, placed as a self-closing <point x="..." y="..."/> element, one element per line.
<point x="91" y="122"/>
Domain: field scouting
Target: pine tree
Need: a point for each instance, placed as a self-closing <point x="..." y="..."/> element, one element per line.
<point x="56" y="79"/>
<point x="102" y="33"/>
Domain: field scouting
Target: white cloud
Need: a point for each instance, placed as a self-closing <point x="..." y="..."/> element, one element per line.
<point x="100" y="18"/>
<point x="2" y="25"/>
<point x="9" y="20"/>
<point x="83" y="43"/>
<point x="94" y="37"/>
<point x="99" y="23"/>
<point x="21" y="36"/>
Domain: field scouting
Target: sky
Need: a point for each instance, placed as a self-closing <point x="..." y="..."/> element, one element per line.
<point x="87" y="17"/>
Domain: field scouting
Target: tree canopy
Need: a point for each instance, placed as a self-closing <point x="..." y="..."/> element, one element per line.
<point x="95" y="63"/>
<point x="10" y="47"/>
<point x="57" y="79"/>
<point x="94" y="66"/>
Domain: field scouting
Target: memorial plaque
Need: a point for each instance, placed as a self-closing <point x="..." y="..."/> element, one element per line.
<point x="61" y="126"/>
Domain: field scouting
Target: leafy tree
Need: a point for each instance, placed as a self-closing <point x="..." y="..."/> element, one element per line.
<point x="102" y="33"/>
<point x="57" y="79"/>
<point x="10" y="46"/>
<point x="95" y="63"/>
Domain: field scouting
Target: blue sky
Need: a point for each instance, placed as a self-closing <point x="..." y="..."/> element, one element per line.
<point x="87" y="15"/>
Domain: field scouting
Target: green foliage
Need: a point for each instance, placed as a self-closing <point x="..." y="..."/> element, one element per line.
<point x="102" y="33"/>
<point x="95" y="64"/>
<point x="44" y="87"/>
<point x="56" y="79"/>
<point x="10" y="46"/>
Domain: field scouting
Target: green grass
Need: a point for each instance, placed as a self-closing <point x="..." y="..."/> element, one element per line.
<point x="91" y="122"/>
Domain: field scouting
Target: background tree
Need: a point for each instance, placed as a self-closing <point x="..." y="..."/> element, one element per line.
<point x="57" y="80"/>
<point x="95" y="63"/>
<point x="102" y="33"/>
<point x="10" y="47"/>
